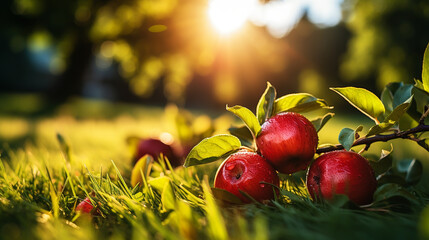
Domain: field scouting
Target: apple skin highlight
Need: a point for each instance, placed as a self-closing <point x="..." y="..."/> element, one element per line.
<point x="342" y="172"/>
<point x="288" y="141"/>
<point x="247" y="172"/>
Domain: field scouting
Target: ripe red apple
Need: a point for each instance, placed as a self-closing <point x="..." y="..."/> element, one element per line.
<point x="246" y="171"/>
<point x="85" y="206"/>
<point x="288" y="141"/>
<point x="154" y="148"/>
<point x="342" y="172"/>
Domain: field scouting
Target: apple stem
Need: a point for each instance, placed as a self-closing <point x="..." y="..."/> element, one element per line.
<point x="381" y="138"/>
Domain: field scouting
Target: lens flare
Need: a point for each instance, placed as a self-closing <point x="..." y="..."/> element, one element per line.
<point x="228" y="16"/>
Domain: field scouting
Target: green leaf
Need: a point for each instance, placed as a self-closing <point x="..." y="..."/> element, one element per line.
<point x="410" y="169"/>
<point x="362" y="99"/>
<point x="212" y="149"/>
<point x="383" y="164"/>
<point x="390" y="191"/>
<point x="387" y="99"/>
<point x="141" y="169"/>
<point x="265" y="107"/>
<point x="347" y="137"/>
<point x="243" y="133"/>
<point x="380" y="128"/>
<point x="407" y="122"/>
<point x="392" y="119"/>
<point x="246" y="195"/>
<point x="425" y="70"/>
<point x="248" y="118"/>
<point x="389" y="177"/>
<point x="159" y="183"/>
<point x="399" y="110"/>
<point x="394" y="86"/>
<point x="402" y="94"/>
<point x="421" y="98"/>
<point x="225" y="196"/>
<point x="299" y="102"/>
<point x="318" y="123"/>
<point x="394" y="94"/>
<point x="419" y="84"/>
<point x="405" y="173"/>
<point x="168" y="198"/>
<point x="424" y="143"/>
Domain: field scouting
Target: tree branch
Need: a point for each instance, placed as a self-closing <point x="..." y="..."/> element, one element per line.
<point x="425" y="114"/>
<point x="378" y="138"/>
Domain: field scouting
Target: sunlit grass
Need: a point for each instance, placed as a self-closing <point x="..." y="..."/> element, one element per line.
<point x="13" y="127"/>
<point x="20" y="103"/>
<point x="41" y="183"/>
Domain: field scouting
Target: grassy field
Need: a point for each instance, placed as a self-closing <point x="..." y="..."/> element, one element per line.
<point x="43" y="178"/>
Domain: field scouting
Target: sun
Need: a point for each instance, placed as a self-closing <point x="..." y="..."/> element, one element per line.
<point x="228" y="16"/>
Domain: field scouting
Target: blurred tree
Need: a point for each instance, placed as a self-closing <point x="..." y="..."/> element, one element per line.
<point x="389" y="38"/>
<point x="148" y="41"/>
<point x="56" y="32"/>
<point x="318" y="54"/>
<point x="76" y="31"/>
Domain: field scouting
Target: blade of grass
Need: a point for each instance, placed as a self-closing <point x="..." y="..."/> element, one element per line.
<point x="216" y="222"/>
<point x="122" y="183"/>
<point x="69" y="180"/>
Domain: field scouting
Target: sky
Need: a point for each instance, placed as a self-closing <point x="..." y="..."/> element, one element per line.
<point x="278" y="16"/>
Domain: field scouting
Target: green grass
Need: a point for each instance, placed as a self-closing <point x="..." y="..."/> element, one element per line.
<point x="41" y="182"/>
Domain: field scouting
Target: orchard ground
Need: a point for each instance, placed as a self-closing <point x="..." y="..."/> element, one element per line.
<point x="37" y="198"/>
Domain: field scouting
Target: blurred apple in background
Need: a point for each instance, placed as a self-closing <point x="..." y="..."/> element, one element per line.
<point x="155" y="147"/>
<point x="85" y="206"/>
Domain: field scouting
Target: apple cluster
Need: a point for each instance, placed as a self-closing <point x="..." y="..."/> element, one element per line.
<point x="286" y="144"/>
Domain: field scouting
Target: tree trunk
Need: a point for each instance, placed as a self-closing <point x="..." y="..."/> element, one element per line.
<point x="72" y="80"/>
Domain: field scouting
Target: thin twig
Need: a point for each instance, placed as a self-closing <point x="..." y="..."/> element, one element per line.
<point x="379" y="138"/>
<point x="425" y="114"/>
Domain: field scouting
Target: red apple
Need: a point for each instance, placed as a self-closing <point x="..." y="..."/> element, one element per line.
<point x="85" y="206"/>
<point x="342" y="172"/>
<point x="247" y="171"/>
<point x="288" y="141"/>
<point x="154" y="148"/>
<point x="184" y="150"/>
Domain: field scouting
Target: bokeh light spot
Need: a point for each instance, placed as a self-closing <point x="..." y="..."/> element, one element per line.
<point x="157" y="28"/>
<point x="166" y="138"/>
